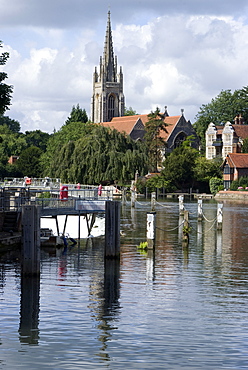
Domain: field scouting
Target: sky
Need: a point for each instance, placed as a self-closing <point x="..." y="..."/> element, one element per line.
<point x="174" y="53"/>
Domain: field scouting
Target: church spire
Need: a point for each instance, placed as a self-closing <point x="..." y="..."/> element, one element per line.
<point x="108" y="99"/>
<point x="108" y="54"/>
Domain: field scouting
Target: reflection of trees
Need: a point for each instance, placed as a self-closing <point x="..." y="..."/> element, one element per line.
<point x="29" y="311"/>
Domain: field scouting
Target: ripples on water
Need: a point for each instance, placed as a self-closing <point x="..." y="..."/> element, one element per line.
<point x="173" y="309"/>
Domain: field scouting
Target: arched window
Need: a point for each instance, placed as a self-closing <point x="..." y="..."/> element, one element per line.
<point x="179" y="139"/>
<point x="111" y="107"/>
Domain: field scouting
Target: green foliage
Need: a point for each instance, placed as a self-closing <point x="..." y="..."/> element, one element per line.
<point x="10" y="144"/>
<point x="143" y="245"/>
<point x="12" y="124"/>
<point x="153" y="139"/>
<point x="179" y="167"/>
<point x="241" y="182"/>
<point x="37" y="138"/>
<point x="5" y="90"/>
<point x="77" y="115"/>
<point x="29" y="162"/>
<point x="214" y="184"/>
<point x="129" y="111"/>
<point x="45" y="194"/>
<point x="92" y="154"/>
<point x="224" y="107"/>
<point x="159" y="182"/>
<point x="204" y="169"/>
<point x="245" y="146"/>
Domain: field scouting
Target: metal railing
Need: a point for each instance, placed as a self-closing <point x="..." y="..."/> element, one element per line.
<point x="13" y="200"/>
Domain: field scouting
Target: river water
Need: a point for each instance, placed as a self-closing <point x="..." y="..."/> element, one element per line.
<point x="174" y="308"/>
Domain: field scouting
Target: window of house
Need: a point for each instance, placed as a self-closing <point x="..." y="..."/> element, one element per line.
<point x="211" y="153"/>
<point x="227" y="150"/>
<point x="210" y="139"/>
<point x="228" y="170"/>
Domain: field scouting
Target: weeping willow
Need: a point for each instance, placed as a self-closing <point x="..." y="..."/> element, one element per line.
<point x="98" y="155"/>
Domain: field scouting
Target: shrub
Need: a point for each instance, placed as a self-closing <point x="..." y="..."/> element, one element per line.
<point x="214" y="184"/>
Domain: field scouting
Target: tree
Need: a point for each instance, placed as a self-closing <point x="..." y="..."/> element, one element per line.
<point x="153" y="138"/>
<point x="37" y="138"/>
<point x="179" y="167"/>
<point x="245" y="146"/>
<point x="224" y="107"/>
<point x="77" y="115"/>
<point x="5" y="90"/>
<point x="91" y="154"/>
<point x="29" y="162"/>
<point x="129" y="111"/>
<point x="12" y="124"/>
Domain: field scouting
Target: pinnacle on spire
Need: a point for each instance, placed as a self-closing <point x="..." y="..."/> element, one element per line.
<point x="108" y="54"/>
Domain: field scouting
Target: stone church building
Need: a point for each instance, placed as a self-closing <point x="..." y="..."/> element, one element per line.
<point x="108" y="99"/>
<point x="108" y="103"/>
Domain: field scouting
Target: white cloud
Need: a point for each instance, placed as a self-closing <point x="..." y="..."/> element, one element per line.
<point x="178" y="60"/>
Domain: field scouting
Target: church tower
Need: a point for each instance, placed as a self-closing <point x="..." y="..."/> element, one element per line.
<point x="107" y="100"/>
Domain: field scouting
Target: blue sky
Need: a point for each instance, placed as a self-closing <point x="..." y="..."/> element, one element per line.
<point x="179" y="53"/>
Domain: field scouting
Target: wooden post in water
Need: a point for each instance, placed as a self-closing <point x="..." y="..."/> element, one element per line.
<point x="151" y="229"/>
<point x="30" y="240"/>
<point x="112" y="229"/>
<point x="200" y="214"/>
<point x="181" y="205"/>
<point x="186" y="229"/>
<point x="153" y="200"/>
<point x="219" y="216"/>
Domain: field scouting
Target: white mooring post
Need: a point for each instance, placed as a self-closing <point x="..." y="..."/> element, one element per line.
<point x="219" y="216"/>
<point x="112" y="229"/>
<point x="151" y="229"/>
<point x="181" y="205"/>
<point x="133" y="198"/>
<point x="30" y="240"/>
<point x="153" y="200"/>
<point x="200" y="213"/>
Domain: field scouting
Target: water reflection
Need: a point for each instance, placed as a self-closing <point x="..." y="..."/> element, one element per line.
<point x="108" y="309"/>
<point x="169" y="308"/>
<point x="104" y="295"/>
<point x="29" y="310"/>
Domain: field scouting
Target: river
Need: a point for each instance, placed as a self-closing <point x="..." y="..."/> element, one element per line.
<point x="174" y="308"/>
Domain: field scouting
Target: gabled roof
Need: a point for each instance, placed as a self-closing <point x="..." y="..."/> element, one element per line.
<point x="126" y="123"/>
<point x="171" y="123"/>
<point x="237" y="160"/>
<point x="122" y="124"/>
<point x="240" y="130"/>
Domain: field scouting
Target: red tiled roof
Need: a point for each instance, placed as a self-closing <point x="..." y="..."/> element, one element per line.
<point x="241" y="130"/>
<point x="126" y="123"/>
<point x="122" y="124"/>
<point x="238" y="160"/>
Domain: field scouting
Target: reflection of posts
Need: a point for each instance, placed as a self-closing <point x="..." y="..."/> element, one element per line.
<point x="108" y="307"/>
<point x="29" y="310"/>
<point x="111" y="286"/>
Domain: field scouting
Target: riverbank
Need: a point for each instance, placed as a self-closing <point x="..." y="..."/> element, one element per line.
<point x="232" y="195"/>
